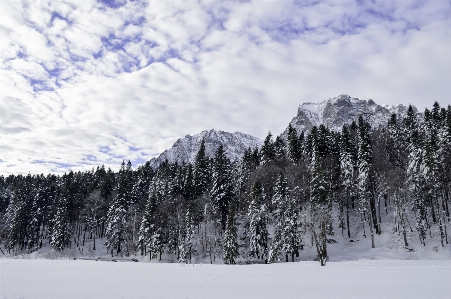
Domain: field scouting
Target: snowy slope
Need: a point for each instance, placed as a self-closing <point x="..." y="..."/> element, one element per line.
<point x="185" y="149"/>
<point x="343" y="109"/>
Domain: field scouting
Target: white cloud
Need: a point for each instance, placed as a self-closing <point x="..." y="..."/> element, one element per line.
<point x="83" y="84"/>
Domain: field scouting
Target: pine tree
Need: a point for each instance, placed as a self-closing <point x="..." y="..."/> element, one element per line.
<point x="286" y="222"/>
<point x="61" y="227"/>
<point x="268" y="152"/>
<point x="413" y="172"/>
<point x="430" y="168"/>
<point x="14" y="221"/>
<point x="294" y="145"/>
<point x="279" y="149"/>
<point x="347" y="166"/>
<point x="221" y="194"/>
<point x="189" y="191"/>
<point x="320" y="206"/>
<point x="230" y="248"/>
<point x="148" y="223"/>
<point x="186" y="244"/>
<point x="201" y="171"/>
<point x="258" y="232"/>
<point x="364" y="167"/>
<point x="18" y="214"/>
<point x="118" y="213"/>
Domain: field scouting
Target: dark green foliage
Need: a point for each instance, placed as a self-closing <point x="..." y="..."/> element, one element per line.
<point x="268" y="151"/>
<point x="230" y="248"/>
<point x="363" y="175"/>
<point x="202" y="176"/>
<point x="222" y="192"/>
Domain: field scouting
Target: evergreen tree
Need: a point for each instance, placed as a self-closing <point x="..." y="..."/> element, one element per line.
<point x="118" y="213"/>
<point x="201" y="171"/>
<point x="268" y="152"/>
<point x="221" y="194"/>
<point x="286" y="223"/>
<point x="258" y="233"/>
<point x="148" y="223"/>
<point x="18" y="213"/>
<point x="189" y="191"/>
<point x="279" y="150"/>
<point x="347" y="166"/>
<point x="364" y="168"/>
<point x="186" y="244"/>
<point x="230" y="248"/>
<point x="414" y="150"/>
<point x="320" y="206"/>
<point x="61" y="228"/>
<point x="294" y="145"/>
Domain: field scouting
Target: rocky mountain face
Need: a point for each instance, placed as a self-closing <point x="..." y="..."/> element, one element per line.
<point x="185" y="149"/>
<point x="336" y="112"/>
<point x="333" y="113"/>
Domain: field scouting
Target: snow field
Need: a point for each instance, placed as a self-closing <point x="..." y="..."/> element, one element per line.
<point x="39" y="279"/>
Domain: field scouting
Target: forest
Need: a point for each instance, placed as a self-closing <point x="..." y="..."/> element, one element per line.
<point x="264" y="207"/>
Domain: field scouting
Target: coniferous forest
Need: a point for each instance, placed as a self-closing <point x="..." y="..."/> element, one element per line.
<point x="264" y="207"/>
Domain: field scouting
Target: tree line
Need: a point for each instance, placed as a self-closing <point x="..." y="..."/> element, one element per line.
<point x="266" y="206"/>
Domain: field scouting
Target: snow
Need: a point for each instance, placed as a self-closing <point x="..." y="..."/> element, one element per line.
<point x="343" y="109"/>
<point x="185" y="149"/>
<point x="39" y="278"/>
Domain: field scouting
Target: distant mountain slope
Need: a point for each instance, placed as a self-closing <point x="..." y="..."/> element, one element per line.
<point x="185" y="149"/>
<point x="336" y="112"/>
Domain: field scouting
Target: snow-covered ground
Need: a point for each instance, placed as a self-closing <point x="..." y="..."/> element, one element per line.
<point x="40" y="278"/>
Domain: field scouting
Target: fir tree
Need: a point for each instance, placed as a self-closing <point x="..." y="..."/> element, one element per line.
<point x="294" y="145"/>
<point x="230" y="248"/>
<point x="221" y="194"/>
<point x="347" y="166"/>
<point x="118" y="213"/>
<point x="186" y="244"/>
<point x="364" y="167"/>
<point x="320" y="211"/>
<point x="279" y="149"/>
<point x="148" y="223"/>
<point x="258" y="233"/>
<point x="201" y="171"/>
<point x="61" y="228"/>
<point x="286" y="222"/>
<point x="268" y="152"/>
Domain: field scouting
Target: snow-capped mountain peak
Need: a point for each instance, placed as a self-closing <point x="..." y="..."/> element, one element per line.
<point x="186" y="148"/>
<point x="340" y="110"/>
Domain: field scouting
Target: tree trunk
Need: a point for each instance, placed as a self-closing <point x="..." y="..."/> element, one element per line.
<point x="347" y="217"/>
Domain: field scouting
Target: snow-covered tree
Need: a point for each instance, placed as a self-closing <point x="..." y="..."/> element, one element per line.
<point x="320" y="206"/>
<point x="267" y="152"/>
<point x="118" y="213"/>
<point x="186" y="241"/>
<point x="221" y="194"/>
<point x="286" y="221"/>
<point x="61" y="226"/>
<point x="202" y="176"/>
<point x="365" y="156"/>
<point x="230" y="247"/>
<point x="258" y="231"/>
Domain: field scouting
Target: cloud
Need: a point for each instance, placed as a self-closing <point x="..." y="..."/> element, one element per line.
<point x="95" y="82"/>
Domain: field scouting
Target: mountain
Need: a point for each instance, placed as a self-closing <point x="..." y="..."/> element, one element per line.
<point x="185" y="149"/>
<point x="336" y="112"/>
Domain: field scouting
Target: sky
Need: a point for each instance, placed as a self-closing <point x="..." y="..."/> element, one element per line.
<point x="86" y="83"/>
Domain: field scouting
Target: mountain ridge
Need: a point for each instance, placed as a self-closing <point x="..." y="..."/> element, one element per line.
<point x="186" y="148"/>
<point x="343" y="109"/>
<point x="333" y="112"/>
